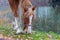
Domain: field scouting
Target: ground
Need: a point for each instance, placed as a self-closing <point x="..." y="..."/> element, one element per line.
<point x="8" y="34"/>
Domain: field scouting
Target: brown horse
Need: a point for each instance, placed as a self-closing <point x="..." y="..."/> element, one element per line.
<point x="27" y="14"/>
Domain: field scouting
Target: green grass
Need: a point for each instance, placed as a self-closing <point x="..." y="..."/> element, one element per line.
<point x="35" y="35"/>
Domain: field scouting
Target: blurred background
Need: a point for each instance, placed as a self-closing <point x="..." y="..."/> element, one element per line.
<point x="47" y="15"/>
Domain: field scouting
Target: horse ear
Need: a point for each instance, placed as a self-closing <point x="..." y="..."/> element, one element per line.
<point x="33" y="8"/>
<point x="22" y="1"/>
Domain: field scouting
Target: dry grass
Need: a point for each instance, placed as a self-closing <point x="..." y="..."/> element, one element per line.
<point x="5" y="12"/>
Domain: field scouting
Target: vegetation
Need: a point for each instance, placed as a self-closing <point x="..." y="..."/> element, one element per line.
<point x="35" y="35"/>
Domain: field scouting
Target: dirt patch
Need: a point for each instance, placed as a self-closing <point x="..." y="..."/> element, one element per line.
<point x="5" y="38"/>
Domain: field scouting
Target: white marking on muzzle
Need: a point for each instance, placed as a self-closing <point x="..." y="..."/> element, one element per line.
<point x="29" y="26"/>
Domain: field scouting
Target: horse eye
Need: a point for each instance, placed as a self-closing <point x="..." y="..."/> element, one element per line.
<point x="25" y="10"/>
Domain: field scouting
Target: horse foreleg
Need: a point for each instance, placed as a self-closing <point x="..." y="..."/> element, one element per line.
<point x="15" y="23"/>
<point x="14" y="7"/>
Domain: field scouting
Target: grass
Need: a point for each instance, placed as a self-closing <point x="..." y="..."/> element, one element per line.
<point x="35" y="35"/>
